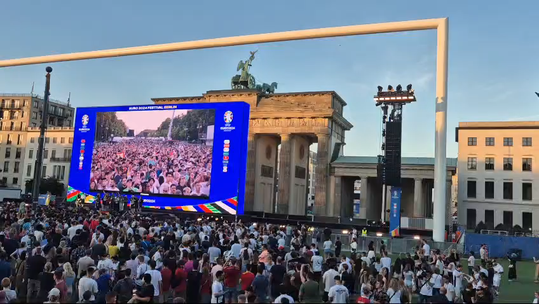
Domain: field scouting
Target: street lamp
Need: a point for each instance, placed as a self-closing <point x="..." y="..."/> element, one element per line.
<point x="41" y="141"/>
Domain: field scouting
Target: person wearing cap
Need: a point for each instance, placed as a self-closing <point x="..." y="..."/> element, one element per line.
<point x="54" y="296"/>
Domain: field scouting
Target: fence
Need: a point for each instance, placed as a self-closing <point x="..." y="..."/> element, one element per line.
<point x="393" y="245"/>
<point x="498" y="246"/>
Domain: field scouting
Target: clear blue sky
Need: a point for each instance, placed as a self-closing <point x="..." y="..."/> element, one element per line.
<point x="493" y="56"/>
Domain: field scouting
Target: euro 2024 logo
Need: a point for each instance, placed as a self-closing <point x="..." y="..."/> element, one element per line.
<point x="228" y="117"/>
<point x="85" y="120"/>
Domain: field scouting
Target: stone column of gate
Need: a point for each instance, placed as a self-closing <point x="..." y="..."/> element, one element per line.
<point x="284" y="174"/>
<point x="419" y="210"/>
<point x="251" y="172"/>
<point x="364" y="199"/>
<point x="322" y="173"/>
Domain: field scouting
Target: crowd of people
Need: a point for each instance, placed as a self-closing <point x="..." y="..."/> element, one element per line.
<point x="78" y="254"/>
<point x="150" y="166"/>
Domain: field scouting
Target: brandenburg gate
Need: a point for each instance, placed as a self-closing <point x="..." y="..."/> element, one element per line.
<point x="277" y="179"/>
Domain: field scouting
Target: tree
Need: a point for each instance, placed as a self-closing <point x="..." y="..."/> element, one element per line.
<point x="49" y="184"/>
<point x="188" y="126"/>
<point x="108" y="124"/>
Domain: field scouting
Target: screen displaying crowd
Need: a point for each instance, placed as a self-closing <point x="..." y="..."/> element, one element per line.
<point x="161" y="161"/>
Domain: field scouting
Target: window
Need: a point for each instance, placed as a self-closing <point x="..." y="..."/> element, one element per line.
<point x="29" y="170"/>
<point x="508" y="219"/>
<point x="508" y="164"/>
<point x="44" y="172"/>
<point x="53" y="153"/>
<point x="30" y="154"/>
<point x="6" y="166"/>
<point x="472" y="141"/>
<point x="18" y="153"/>
<point x="16" y="167"/>
<point x="59" y="172"/>
<point x="22" y="114"/>
<point x="32" y="140"/>
<point x="47" y="140"/>
<point x="489" y="141"/>
<point x="67" y="155"/>
<point x="8" y="153"/>
<point x="19" y="139"/>
<point x="34" y="115"/>
<point x="489" y="163"/>
<point x="472" y="189"/>
<point x="54" y="140"/>
<point x="526" y="191"/>
<point x="36" y="104"/>
<point x="62" y="140"/>
<point x="508" y="141"/>
<point x="527" y="221"/>
<point x="9" y="139"/>
<point x="489" y="189"/>
<point x="526" y="141"/>
<point x="508" y="190"/>
<point x="471" y="218"/>
<point x="526" y="164"/>
<point x="71" y="140"/>
<point x="472" y="163"/>
<point x="489" y="218"/>
<point x="15" y="180"/>
<point x="45" y="154"/>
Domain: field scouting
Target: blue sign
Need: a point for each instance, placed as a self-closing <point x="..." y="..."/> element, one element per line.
<point x="357" y="205"/>
<point x="395" y="212"/>
<point x="187" y="157"/>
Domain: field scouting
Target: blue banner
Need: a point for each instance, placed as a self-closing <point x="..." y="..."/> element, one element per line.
<point x="395" y="212"/>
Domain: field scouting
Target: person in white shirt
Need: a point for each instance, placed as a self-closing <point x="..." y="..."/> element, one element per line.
<point x="536" y="299"/>
<point x="157" y="279"/>
<point x="386" y="262"/>
<point x="72" y="231"/>
<point x="497" y="279"/>
<point x="329" y="281"/>
<point x="106" y="263"/>
<point x="471" y="263"/>
<point x="437" y="282"/>
<point x="283" y="295"/>
<point x="217" y="290"/>
<point x="393" y="292"/>
<point x="327" y="248"/>
<point x="338" y="293"/>
<point x="450" y="289"/>
<point x="457" y="279"/>
<point x="425" y="291"/>
<point x="87" y="283"/>
<point x="317" y="261"/>
<point x="426" y="248"/>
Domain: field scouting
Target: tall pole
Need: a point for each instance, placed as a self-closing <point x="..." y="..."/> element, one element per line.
<point x="41" y="140"/>
<point x="440" y="161"/>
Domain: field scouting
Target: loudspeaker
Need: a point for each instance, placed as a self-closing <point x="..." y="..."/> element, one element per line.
<point x="393" y="153"/>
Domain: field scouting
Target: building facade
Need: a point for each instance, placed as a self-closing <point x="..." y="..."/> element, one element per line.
<point x="56" y="156"/>
<point x="496" y="174"/>
<point x="417" y="175"/>
<point x="18" y="113"/>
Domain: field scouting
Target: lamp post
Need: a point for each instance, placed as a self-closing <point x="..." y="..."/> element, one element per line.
<point x="41" y="140"/>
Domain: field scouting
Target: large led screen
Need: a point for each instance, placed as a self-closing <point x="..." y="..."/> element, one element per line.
<point x="190" y="157"/>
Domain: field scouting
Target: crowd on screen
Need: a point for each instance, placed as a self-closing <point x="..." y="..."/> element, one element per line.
<point x="149" y="166"/>
<point x="77" y="254"/>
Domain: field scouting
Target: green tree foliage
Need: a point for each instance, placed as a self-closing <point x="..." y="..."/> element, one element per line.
<point x="108" y="124"/>
<point x="188" y="126"/>
<point x="49" y="184"/>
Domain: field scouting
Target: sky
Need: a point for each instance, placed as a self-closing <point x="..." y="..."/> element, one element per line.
<point x="146" y="120"/>
<point x="493" y="56"/>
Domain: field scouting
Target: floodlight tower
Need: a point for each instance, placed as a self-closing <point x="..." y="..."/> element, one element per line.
<point x="44" y="121"/>
<point x="389" y="163"/>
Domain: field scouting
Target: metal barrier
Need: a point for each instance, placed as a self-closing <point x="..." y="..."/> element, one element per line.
<point x="393" y="245"/>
